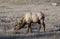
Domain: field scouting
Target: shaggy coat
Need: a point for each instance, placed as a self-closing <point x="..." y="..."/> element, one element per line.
<point x="28" y="18"/>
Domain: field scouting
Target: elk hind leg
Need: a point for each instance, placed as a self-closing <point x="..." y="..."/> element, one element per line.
<point x="43" y="24"/>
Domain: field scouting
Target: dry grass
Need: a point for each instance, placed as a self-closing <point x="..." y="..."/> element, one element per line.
<point x="13" y="12"/>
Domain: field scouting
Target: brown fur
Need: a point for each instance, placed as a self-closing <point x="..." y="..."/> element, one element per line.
<point x="24" y="22"/>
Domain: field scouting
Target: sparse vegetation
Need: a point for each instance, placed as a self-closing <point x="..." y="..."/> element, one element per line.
<point x="12" y="10"/>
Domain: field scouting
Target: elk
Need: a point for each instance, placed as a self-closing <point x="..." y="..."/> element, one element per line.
<point x="29" y="18"/>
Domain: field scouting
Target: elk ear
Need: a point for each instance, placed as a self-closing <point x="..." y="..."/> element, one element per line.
<point x="20" y="21"/>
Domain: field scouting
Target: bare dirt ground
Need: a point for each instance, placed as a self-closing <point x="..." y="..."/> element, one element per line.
<point x="9" y="14"/>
